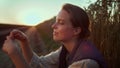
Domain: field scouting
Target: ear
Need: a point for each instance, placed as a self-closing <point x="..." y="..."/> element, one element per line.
<point x="77" y="31"/>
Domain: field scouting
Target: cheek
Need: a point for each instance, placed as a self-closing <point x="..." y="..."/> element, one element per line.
<point x="66" y="33"/>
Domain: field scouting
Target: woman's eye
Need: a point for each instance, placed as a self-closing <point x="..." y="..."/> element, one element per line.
<point x="61" y="22"/>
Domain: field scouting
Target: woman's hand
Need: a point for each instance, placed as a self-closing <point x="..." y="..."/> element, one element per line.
<point x="10" y="46"/>
<point x="16" y="34"/>
<point x="24" y="44"/>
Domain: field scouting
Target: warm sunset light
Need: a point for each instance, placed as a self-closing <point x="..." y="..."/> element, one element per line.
<point x="29" y="17"/>
<point x="33" y="12"/>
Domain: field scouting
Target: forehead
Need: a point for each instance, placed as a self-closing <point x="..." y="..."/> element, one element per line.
<point x="63" y="15"/>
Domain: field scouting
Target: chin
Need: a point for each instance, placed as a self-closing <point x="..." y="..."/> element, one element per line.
<point x="57" y="40"/>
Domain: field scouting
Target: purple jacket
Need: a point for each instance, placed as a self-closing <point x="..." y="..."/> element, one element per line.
<point x="86" y="50"/>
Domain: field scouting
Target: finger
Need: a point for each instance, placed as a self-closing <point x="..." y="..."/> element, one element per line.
<point x="8" y="38"/>
<point x="19" y="37"/>
<point x="4" y="46"/>
<point x="4" y="42"/>
<point x="11" y="36"/>
<point x="13" y="32"/>
<point x="18" y="34"/>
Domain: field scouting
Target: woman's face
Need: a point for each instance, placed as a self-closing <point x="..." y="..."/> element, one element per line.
<point x="62" y="28"/>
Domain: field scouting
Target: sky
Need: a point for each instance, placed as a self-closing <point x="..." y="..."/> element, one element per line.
<point x="33" y="12"/>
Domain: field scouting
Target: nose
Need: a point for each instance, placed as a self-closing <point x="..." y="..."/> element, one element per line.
<point x="54" y="26"/>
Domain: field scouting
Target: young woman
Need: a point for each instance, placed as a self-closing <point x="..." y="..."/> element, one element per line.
<point x="71" y="29"/>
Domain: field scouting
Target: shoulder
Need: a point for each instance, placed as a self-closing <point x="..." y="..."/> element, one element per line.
<point x="86" y="63"/>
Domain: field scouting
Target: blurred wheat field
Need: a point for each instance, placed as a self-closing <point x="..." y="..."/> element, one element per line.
<point x="105" y="29"/>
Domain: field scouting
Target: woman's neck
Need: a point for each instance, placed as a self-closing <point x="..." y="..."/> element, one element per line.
<point x="69" y="45"/>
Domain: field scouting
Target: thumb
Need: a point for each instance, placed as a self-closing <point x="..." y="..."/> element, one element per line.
<point x="9" y="38"/>
<point x="11" y="35"/>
